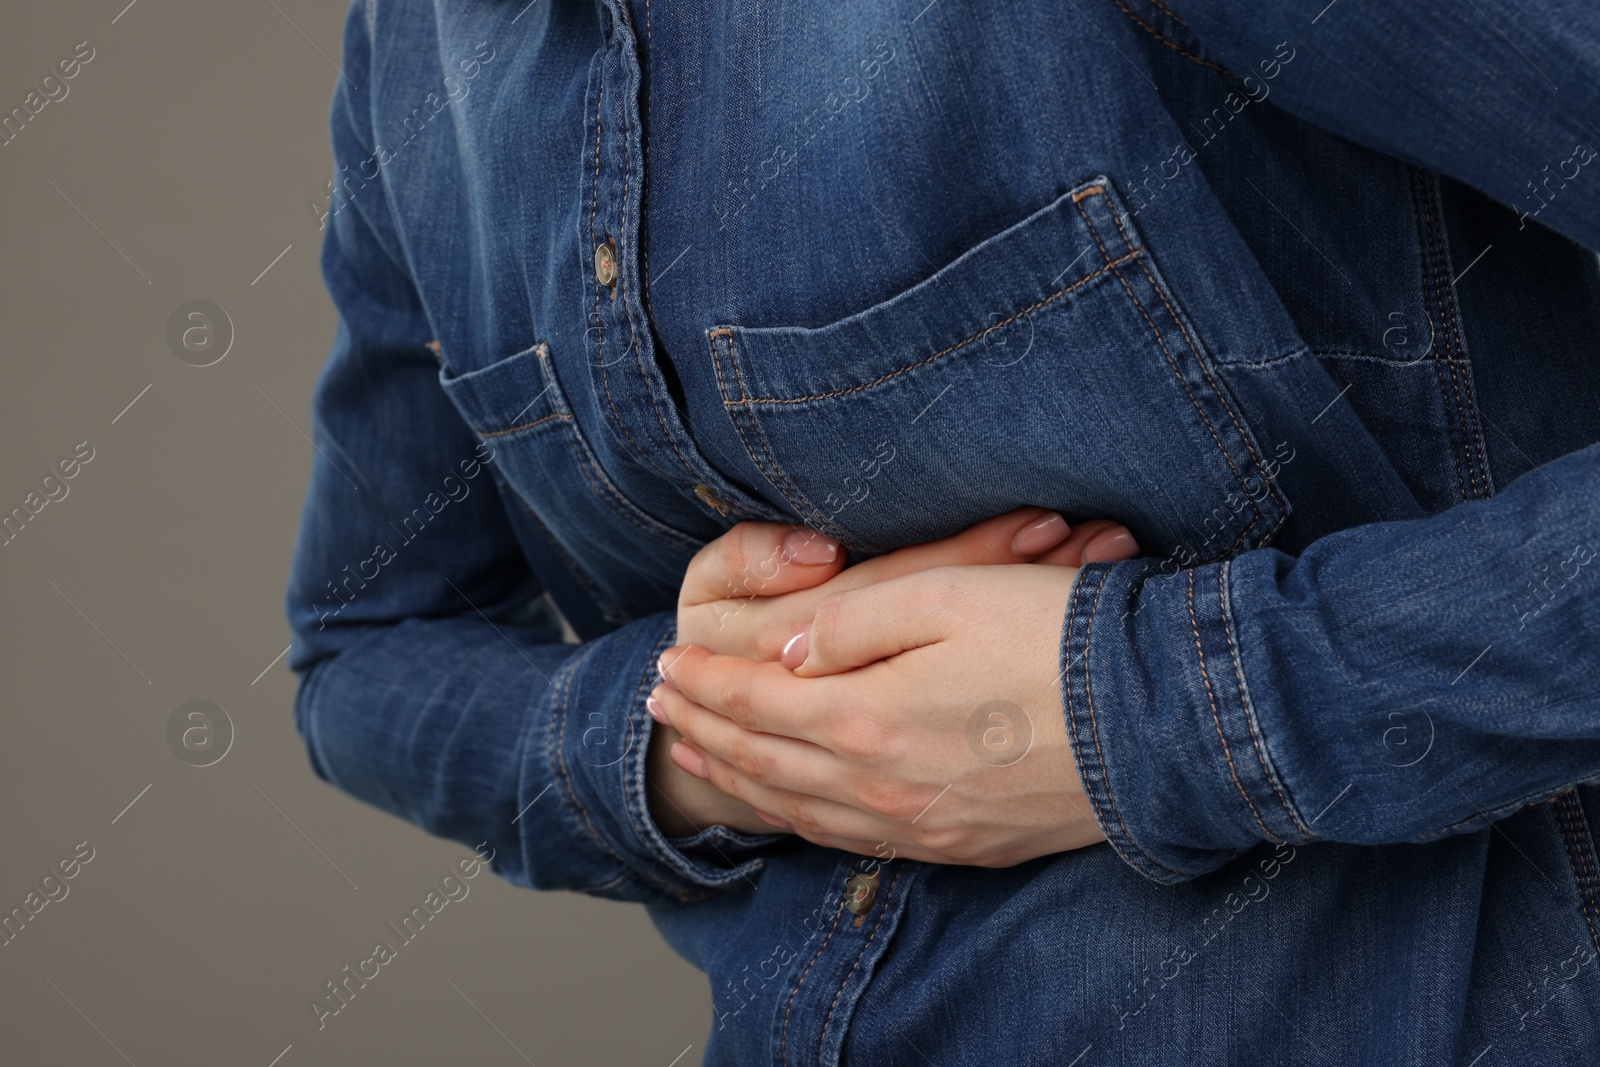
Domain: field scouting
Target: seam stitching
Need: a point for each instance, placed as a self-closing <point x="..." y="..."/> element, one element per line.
<point x="769" y="468"/>
<point x="1439" y="268"/>
<point x="1423" y="213"/>
<point x="1158" y="35"/>
<point x="1494" y="815"/>
<point x="1472" y="431"/>
<point x="1258" y="739"/>
<point x="1216" y="718"/>
<point x="561" y="710"/>
<point x="1177" y="371"/>
<point x="563" y="713"/>
<point x="1216" y="387"/>
<point x="1575" y="829"/>
<point x="594" y="215"/>
<point x="622" y="278"/>
<point x="524" y="426"/>
<point x="862" y="951"/>
<point x="776" y="478"/>
<point x="635" y="799"/>
<point x="1094" y="722"/>
<point x="1085" y="280"/>
<point x="598" y="480"/>
<point x="783" y="1042"/>
<point x="1173" y="15"/>
<point x="1579" y="863"/>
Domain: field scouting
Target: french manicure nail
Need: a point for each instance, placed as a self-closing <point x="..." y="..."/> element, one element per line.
<point x="795" y="650"/>
<point x="664" y="668"/>
<point x="1041" y="535"/>
<point x="809" y="547"/>
<point x="689" y="760"/>
<point x="1110" y="547"/>
<point x="774" y="820"/>
<point x="657" y="712"/>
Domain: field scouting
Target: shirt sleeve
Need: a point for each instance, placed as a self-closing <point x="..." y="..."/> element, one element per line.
<point x="1395" y="682"/>
<point x="1502" y="96"/>
<point x="427" y="686"/>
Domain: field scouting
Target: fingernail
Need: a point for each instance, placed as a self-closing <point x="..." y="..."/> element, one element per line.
<point x="663" y="668"/>
<point x="1040" y="536"/>
<point x="689" y="759"/>
<point x="794" y="652"/>
<point x="809" y="547"/>
<point x="774" y="820"/>
<point x="657" y="712"/>
<point x="1111" y="546"/>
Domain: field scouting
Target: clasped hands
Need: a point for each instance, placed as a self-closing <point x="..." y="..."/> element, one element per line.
<point x="908" y="706"/>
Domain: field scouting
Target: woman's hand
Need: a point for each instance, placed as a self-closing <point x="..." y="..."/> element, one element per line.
<point x="750" y="591"/>
<point x="922" y="718"/>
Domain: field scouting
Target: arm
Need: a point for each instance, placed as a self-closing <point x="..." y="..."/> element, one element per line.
<point x="1395" y="682"/>
<point x="425" y="689"/>
<point x="1504" y="97"/>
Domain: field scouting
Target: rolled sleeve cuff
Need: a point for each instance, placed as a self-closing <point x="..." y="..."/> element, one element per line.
<point x="600" y="738"/>
<point x="1169" y="749"/>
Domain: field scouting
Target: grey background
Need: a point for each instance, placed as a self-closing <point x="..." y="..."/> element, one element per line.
<point x="183" y="157"/>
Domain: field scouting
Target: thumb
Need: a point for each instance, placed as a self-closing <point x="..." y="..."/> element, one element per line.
<point x="869" y="623"/>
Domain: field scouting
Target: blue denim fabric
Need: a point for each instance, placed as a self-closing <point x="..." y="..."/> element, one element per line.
<point x="1308" y="299"/>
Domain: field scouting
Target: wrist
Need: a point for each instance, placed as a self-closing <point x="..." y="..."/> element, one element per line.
<point x="680" y="803"/>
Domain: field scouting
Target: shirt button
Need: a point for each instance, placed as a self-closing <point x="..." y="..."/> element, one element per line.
<point x="605" y="263"/>
<point x="860" y="892"/>
<point x="711" y="500"/>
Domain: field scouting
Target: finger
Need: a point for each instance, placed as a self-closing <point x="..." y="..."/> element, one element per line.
<point x="1020" y="536"/>
<point x="766" y="759"/>
<point x="745" y="617"/>
<point x="759" y="627"/>
<point x="762" y="697"/>
<point x="1110" y="546"/>
<point x="884" y="850"/>
<point x="810" y="816"/>
<point x="759" y="559"/>
<point x="864" y="625"/>
<point x="1092" y="541"/>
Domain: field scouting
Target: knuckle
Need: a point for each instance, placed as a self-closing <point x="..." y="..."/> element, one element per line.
<point x="942" y="839"/>
<point x="771" y="634"/>
<point x="732" y="698"/>
<point x="721" y="775"/>
<point x="732" y="553"/>
<point x="859" y="738"/>
<point x="890" y="800"/>
<point x="743" y="755"/>
<point x="830" y="615"/>
<point x="848" y="739"/>
<point x="886" y="746"/>
<point x="804" y="817"/>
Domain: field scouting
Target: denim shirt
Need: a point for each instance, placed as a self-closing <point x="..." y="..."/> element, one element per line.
<point x="1307" y="300"/>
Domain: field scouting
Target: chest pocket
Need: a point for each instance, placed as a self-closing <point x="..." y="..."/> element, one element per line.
<point x="622" y="557"/>
<point x="1048" y="365"/>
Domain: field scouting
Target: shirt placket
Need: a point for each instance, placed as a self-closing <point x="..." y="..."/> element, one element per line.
<point x="811" y="1017"/>
<point x="619" y="348"/>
